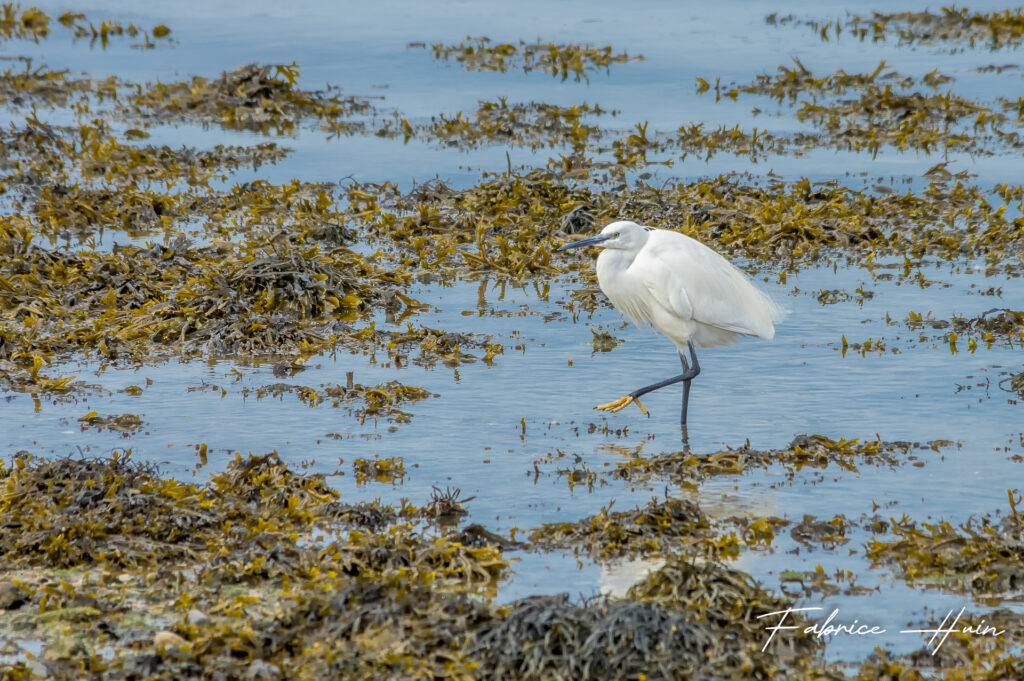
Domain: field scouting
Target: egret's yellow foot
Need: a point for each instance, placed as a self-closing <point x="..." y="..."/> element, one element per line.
<point x="622" y="403"/>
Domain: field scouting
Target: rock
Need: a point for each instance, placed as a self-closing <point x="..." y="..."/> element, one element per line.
<point x="260" y="670"/>
<point x="168" y="639"/>
<point x="12" y="596"/>
<point x="64" y="648"/>
<point x="38" y="669"/>
<point x="197" y="616"/>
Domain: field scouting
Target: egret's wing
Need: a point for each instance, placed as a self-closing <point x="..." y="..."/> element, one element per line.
<point x="693" y="281"/>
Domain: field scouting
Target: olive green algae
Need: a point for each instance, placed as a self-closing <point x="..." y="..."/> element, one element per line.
<point x="805" y="451"/>
<point x="31" y="23"/>
<point x="982" y="556"/>
<point x="558" y="59"/>
<point x="263" y="569"/>
<point x="949" y="28"/>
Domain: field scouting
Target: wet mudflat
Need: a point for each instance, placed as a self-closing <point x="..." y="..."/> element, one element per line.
<point x="296" y="384"/>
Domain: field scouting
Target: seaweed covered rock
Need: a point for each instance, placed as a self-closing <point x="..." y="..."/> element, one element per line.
<point x="685" y="620"/>
<point x="548" y="637"/>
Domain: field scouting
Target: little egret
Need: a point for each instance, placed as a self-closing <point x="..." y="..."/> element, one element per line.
<point x="684" y="289"/>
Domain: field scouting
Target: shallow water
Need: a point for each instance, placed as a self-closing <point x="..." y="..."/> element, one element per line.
<point x="489" y="424"/>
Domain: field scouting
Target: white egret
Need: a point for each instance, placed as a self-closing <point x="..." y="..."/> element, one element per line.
<point x="684" y="289"/>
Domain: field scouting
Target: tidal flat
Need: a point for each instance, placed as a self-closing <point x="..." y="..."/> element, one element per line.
<point x="297" y="385"/>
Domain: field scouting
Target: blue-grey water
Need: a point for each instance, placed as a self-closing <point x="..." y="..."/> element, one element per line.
<point x="490" y="423"/>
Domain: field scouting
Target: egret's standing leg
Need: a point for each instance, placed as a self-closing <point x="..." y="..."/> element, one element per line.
<point x="689" y="373"/>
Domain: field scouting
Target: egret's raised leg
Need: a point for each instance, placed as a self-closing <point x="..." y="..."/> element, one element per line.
<point x="689" y="373"/>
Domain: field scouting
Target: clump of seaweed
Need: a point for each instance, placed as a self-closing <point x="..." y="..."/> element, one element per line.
<point x="997" y="324"/>
<point x="805" y="451"/>
<point x="446" y="504"/>
<point x="260" y="560"/>
<point x="604" y="342"/>
<point x="41" y="86"/>
<point x="757" y="144"/>
<point x="980" y="557"/>
<point x="125" y="424"/>
<point x="728" y="600"/>
<point x="46" y="166"/>
<point x="791" y="83"/>
<point x="560" y="60"/>
<point x="661" y="527"/>
<point x="685" y="620"/>
<point x="829" y="533"/>
<point x="494" y="226"/>
<point x="534" y="125"/>
<point x="388" y="470"/>
<point x="32" y="23"/>
<point x="70" y="512"/>
<point x="261" y="98"/>
<point x="1014" y="383"/>
<point x="887" y="112"/>
<point x="818" y="583"/>
<point x="112" y="161"/>
<point x="21" y="23"/>
<point x="882" y="116"/>
<point x="80" y="28"/>
<point x="379" y="401"/>
<point x="504" y="224"/>
<point x="549" y="637"/>
<point x="437" y="345"/>
<point x="30" y="379"/>
<point x="953" y="25"/>
<point x="1001" y="326"/>
<point x="134" y="301"/>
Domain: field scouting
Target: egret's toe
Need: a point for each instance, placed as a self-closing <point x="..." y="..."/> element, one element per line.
<point x="617" y="405"/>
<point x="622" y="403"/>
<point x="640" y="404"/>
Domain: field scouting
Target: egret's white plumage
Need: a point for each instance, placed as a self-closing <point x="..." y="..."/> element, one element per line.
<point x="681" y="287"/>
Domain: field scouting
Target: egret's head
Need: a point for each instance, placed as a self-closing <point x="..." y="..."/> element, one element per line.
<point x="622" y="235"/>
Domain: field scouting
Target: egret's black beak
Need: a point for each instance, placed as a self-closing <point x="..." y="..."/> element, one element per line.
<point x="592" y="241"/>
